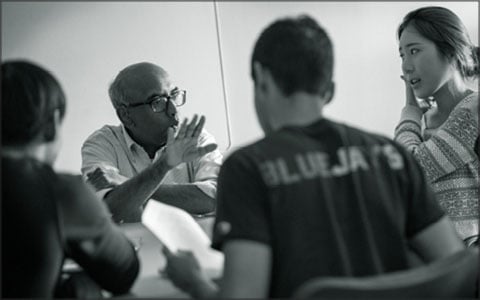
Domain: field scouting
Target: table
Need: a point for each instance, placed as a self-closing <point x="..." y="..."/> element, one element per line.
<point x="149" y="282"/>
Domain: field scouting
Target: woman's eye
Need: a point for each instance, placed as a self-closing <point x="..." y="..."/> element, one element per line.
<point x="413" y="51"/>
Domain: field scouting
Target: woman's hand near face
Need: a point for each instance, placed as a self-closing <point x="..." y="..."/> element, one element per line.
<point x="410" y="96"/>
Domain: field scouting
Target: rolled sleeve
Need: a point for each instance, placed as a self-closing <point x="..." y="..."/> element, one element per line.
<point x="412" y="113"/>
<point x="97" y="152"/>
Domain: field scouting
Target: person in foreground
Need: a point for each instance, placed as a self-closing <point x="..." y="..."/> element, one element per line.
<point x="313" y="197"/>
<point x="48" y="216"/>
<point x="122" y="163"/>
<point x="438" y="59"/>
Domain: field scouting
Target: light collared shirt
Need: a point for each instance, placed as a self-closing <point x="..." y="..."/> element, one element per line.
<point x="112" y="147"/>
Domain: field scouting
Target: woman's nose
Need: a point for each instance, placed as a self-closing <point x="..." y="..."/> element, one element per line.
<point x="407" y="67"/>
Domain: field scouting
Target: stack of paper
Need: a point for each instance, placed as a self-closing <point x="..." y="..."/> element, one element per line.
<point x="177" y="230"/>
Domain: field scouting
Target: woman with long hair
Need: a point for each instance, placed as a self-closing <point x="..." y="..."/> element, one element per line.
<point x="438" y="60"/>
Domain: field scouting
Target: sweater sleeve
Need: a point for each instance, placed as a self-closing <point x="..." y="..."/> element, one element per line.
<point x="450" y="148"/>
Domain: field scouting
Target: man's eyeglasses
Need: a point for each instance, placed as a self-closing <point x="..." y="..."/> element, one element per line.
<point x="160" y="103"/>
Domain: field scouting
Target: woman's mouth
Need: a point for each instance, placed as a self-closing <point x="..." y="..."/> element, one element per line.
<point x="414" y="82"/>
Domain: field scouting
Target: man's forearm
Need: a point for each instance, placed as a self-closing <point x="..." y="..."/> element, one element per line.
<point x="125" y="200"/>
<point x="186" y="196"/>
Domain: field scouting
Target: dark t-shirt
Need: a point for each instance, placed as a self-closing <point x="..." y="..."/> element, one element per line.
<point x="45" y="217"/>
<point x="328" y="199"/>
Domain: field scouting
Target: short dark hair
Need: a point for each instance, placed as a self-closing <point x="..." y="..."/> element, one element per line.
<point x="298" y="53"/>
<point x="445" y="29"/>
<point x="30" y="95"/>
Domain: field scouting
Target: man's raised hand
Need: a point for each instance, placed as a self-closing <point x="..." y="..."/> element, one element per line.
<point x="183" y="147"/>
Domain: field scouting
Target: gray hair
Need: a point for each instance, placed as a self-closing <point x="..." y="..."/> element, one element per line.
<point x="116" y="90"/>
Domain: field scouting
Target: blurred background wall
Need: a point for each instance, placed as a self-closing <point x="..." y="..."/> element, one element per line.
<point x="206" y="47"/>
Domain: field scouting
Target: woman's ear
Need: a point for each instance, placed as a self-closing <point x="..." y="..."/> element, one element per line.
<point x="124" y="116"/>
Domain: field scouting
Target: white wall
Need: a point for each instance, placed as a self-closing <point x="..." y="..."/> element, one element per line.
<point x="369" y="91"/>
<point x="85" y="44"/>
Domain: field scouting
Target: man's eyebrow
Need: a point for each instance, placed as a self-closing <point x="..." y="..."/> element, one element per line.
<point x="154" y="95"/>
<point x="410" y="45"/>
<point x="164" y="94"/>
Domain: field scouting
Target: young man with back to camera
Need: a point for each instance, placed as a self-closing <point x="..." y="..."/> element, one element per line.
<point x="313" y="197"/>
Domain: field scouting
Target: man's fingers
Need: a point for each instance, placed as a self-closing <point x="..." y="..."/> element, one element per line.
<point x="191" y="126"/>
<point x="91" y="176"/>
<point x="94" y="172"/>
<point x="182" y="129"/>
<point x="95" y="180"/>
<point x="201" y="151"/>
<point x="208" y="148"/>
<point x="199" y="127"/>
<point x="94" y="177"/>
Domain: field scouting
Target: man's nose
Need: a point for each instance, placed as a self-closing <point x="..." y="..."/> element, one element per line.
<point x="171" y="110"/>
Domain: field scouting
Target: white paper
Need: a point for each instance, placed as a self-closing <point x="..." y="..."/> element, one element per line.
<point x="177" y="230"/>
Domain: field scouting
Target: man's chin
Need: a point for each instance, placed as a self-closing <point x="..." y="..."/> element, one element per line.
<point x="163" y="137"/>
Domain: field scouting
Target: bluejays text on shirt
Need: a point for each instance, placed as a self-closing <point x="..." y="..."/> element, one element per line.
<point x="313" y="164"/>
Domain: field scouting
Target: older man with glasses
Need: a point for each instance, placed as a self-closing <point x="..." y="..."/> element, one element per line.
<point x="122" y="162"/>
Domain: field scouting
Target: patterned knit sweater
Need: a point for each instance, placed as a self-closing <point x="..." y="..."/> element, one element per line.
<point x="449" y="160"/>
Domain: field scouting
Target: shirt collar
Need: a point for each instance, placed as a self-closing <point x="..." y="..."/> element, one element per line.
<point x="131" y="143"/>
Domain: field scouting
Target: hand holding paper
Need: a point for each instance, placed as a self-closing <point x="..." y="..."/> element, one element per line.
<point x="177" y="230"/>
